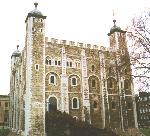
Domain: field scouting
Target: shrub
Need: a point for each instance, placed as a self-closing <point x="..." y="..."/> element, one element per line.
<point x="4" y="132"/>
<point x="62" y="124"/>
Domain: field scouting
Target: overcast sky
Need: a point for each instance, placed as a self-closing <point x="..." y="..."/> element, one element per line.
<point x="86" y="21"/>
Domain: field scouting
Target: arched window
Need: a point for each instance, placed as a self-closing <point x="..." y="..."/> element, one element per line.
<point x="93" y="67"/>
<point x="75" y="103"/>
<point x="46" y="61"/>
<point x="126" y="84"/>
<point x="49" y="62"/>
<point x="52" y="79"/>
<point x="93" y="83"/>
<point x="94" y="104"/>
<point x="52" y="104"/>
<point x="73" y="81"/>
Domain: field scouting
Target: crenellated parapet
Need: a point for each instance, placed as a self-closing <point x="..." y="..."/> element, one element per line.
<point x="50" y="41"/>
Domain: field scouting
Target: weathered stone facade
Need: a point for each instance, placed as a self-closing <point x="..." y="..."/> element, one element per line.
<point x="4" y="110"/>
<point x="89" y="82"/>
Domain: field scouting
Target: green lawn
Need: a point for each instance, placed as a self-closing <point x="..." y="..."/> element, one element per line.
<point x="145" y="131"/>
<point x="4" y="132"/>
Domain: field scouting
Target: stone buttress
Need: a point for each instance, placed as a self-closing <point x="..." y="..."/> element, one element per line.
<point x="85" y="88"/>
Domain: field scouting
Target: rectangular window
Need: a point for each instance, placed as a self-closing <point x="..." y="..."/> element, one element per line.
<point x="37" y="67"/>
<point x="32" y="29"/>
<point x="74" y="81"/>
<point x="46" y="61"/>
<point x="55" y="62"/>
<point x="52" y="79"/>
<point x="70" y="64"/>
<point x="59" y="63"/>
<point x="75" y="103"/>
<point x="50" y="62"/>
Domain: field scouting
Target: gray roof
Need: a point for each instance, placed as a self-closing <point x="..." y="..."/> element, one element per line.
<point x="16" y="53"/>
<point x="115" y="29"/>
<point x="35" y="13"/>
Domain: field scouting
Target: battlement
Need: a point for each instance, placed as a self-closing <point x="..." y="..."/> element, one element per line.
<point x="72" y="43"/>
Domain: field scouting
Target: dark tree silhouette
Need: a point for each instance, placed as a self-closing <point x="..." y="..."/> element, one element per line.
<point x="63" y="124"/>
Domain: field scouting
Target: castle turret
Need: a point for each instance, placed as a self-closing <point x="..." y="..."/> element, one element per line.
<point x="116" y="35"/>
<point x="35" y="73"/>
<point x="14" y="89"/>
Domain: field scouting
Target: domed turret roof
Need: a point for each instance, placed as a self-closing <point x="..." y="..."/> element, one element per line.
<point x="115" y="29"/>
<point x="16" y="53"/>
<point x="35" y="13"/>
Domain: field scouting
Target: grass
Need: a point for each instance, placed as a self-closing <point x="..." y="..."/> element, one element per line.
<point x="4" y="132"/>
<point x="145" y="131"/>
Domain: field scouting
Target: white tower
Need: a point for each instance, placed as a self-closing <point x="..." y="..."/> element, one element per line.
<point x="35" y="74"/>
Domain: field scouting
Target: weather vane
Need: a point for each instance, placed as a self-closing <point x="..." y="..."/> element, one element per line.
<point x="114" y="20"/>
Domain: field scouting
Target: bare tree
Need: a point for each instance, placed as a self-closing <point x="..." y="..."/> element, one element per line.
<point x="139" y="48"/>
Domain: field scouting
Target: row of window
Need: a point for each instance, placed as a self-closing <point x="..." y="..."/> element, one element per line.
<point x="56" y="62"/>
<point x="146" y="98"/>
<point x="111" y="83"/>
<point x="70" y="64"/>
<point x="144" y="110"/>
<point x="111" y="70"/>
<point x="75" y="104"/>
<point x="145" y="117"/>
<point x="52" y="80"/>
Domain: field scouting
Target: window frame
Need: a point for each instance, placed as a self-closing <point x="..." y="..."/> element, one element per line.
<point x="52" y="75"/>
<point x="73" y="103"/>
<point x="37" y="67"/>
<point x="75" y="81"/>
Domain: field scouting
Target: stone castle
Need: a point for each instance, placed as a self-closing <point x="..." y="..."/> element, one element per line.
<point x="89" y="82"/>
